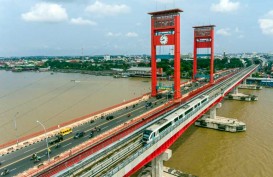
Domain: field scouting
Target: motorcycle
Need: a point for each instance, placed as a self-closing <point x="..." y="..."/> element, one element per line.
<point x="33" y="157"/>
<point x="5" y="172"/>
<point x="38" y="159"/>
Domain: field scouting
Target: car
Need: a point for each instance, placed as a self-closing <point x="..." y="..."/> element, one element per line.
<point x="148" y="104"/>
<point x="56" y="139"/>
<point x="91" y="134"/>
<point x="158" y="96"/>
<point x="109" y="117"/>
<point x="79" y="135"/>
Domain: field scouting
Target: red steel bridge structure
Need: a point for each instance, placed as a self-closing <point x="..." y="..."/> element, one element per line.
<point x="165" y="30"/>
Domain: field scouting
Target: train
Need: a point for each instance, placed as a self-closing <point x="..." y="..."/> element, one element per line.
<point x="154" y="130"/>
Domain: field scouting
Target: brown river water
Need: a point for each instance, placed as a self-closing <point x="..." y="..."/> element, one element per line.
<point x="51" y="99"/>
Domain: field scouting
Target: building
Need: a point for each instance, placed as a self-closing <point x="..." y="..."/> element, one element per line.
<point x="144" y="72"/>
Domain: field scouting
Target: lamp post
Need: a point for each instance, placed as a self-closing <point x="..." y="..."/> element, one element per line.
<point x="15" y="128"/>
<point x="46" y="138"/>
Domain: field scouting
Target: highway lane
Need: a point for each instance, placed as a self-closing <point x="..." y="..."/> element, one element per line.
<point x="19" y="161"/>
<point x="214" y="91"/>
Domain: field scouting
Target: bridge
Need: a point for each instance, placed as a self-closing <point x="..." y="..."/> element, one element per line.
<point x="115" y="147"/>
<point x="116" y="150"/>
<point x="128" y="155"/>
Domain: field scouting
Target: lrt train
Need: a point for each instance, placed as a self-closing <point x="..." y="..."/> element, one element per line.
<point x="154" y="130"/>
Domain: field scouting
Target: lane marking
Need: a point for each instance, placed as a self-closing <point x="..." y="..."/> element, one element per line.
<point x="29" y="150"/>
<point x="13" y="169"/>
<point x="104" y="127"/>
<point x="67" y="144"/>
<point x="134" y="110"/>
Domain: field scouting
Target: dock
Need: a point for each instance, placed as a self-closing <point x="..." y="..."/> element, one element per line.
<point x="221" y="123"/>
<point x="250" y="87"/>
<point x="241" y="97"/>
<point x="167" y="172"/>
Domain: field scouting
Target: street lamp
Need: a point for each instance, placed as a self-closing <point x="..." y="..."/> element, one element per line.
<point x="15" y="128"/>
<point x="46" y="138"/>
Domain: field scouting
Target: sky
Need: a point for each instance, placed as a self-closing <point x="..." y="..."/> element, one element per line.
<point x="122" y="27"/>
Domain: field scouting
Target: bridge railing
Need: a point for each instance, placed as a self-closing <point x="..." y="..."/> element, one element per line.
<point x="104" y="150"/>
<point x="89" y="155"/>
<point x="26" y="140"/>
<point x="153" y="142"/>
<point x="213" y="97"/>
<point x="88" y="161"/>
<point x="140" y="151"/>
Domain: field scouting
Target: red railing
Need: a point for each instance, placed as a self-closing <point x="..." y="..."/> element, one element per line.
<point x="112" y="137"/>
<point x="27" y="137"/>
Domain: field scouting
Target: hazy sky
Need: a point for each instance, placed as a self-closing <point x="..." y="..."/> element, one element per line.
<point x="64" y="27"/>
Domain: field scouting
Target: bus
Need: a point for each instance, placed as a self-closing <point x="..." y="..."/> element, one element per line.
<point x="66" y="131"/>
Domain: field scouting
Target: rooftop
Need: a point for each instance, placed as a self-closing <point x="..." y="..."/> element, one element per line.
<point x="165" y="12"/>
<point x="206" y="26"/>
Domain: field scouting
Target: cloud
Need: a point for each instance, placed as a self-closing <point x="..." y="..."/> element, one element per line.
<point x="237" y="30"/>
<point x="223" y="32"/>
<point x="132" y="34"/>
<point x="80" y="21"/>
<point x="104" y="9"/>
<point x="225" y="6"/>
<point x="45" y="12"/>
<point x="266" y="23"/>
<point x="113" y="34"/>
<point x="165" y="1"/>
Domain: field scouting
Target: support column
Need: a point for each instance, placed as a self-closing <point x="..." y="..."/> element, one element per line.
<point x="157" y="163"/>
<point x="177" y="92"/>
<point x="194" y="60"/>
<point x="235" y="90"/>
<point x="244" y="82"/>
<point x="154" y="76"/>
<point x="153" y="62"/>
<point x="212" y="111"/>
<point x="212" y="57"/>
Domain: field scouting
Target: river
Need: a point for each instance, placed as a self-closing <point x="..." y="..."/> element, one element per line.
<point x="211" y="153"/>
<point x="59" y="97"/>
<point x="51" y="99"/>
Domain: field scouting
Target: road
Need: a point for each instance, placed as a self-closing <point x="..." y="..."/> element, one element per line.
<point x="19" y="160"/>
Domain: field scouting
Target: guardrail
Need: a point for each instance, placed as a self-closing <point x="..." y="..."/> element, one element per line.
<point x="139" y="152"/>
<point x="82" y="153"/>
<point x="143" y="149"/>
<point x="52" y="131"/>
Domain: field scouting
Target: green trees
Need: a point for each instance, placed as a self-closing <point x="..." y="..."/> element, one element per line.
<point x="86" y="65"/>
<point x="203" y="65"/>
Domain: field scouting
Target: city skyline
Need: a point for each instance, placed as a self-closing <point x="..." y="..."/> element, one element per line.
<point x="98" y="27"/>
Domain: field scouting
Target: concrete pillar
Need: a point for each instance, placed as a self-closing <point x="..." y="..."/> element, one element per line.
<point x="235" y="90"/>
<point x="212" y="111"/>
<point x="244" y="82"/>
<point x="157" y="163"/>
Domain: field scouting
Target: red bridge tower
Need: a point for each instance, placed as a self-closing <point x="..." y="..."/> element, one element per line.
<point x="203" y="38"/>
<point x="165" y="30"/>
